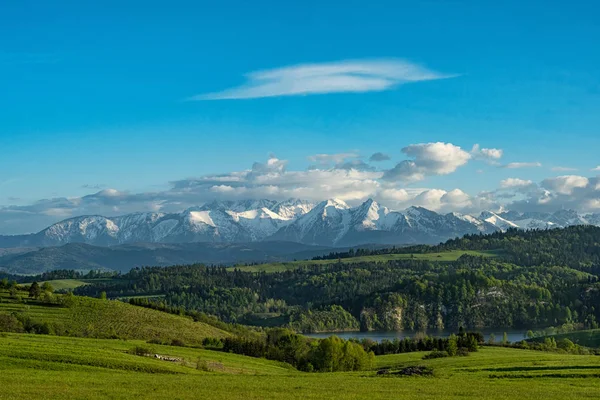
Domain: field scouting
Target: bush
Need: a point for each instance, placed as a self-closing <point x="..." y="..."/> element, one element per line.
<point x="10" y="323"/>
<point x="415" y="371"/>
<point x="213" y="343"/>
<point x="42" y="329"/>
<point x="156" y="341"/>
<point x="462" y="352"/>
<point x="436" y="354"/>
<point x="202" y="365"/>
<point x="178" y="342"/>
<point x="452" y="346"/>
<point x="141" y="351"/>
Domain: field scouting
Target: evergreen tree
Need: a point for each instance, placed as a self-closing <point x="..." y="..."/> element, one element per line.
<point x="34" y="290"/>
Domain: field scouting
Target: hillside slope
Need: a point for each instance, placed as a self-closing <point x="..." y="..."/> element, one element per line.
<point x="50" y="367"/>
<point x="95" y="318"/>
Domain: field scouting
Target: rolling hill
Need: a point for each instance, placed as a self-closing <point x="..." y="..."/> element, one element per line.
<point x="95" y="318"/>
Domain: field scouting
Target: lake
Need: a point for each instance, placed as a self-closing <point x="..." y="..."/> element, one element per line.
<point x="513" y="335"/>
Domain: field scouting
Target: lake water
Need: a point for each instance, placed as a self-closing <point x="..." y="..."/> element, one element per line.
<point x="513" y="335"/>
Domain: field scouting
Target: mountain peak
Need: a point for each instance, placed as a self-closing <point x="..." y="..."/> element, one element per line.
<point x="331" y="222"/>
<point x="337" y="203"/>
<point x="369" y="202"/>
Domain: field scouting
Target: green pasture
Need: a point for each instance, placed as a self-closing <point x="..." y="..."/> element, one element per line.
<point x="88" y="317"/>
<point x="51" y="367"/>
<point x="445" y="256"/>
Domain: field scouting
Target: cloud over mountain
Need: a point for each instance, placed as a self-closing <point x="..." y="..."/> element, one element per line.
<point x="428" y="159"/>
<point x="346" y="176"/>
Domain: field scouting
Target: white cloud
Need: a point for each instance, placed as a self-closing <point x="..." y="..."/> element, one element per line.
<point x="515" y="183"/>
<point x="436" y="199"/>
<point x="272" y="166"/>
<point x="429" y="159"/>
<point x="351" y="180"/>
<point x="333" y="77"/>
<point x="565" y="184"/>
<point x="596" y="169"/>
<point x="488" y="155"/>
<point x="515" y="165"/>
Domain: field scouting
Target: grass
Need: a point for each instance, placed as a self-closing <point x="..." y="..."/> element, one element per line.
<point x="66" y="285"/>
<point x="445" y="256"/>
<point x="62" y="284"/>
<point x="87" y="317"/>
<point x="77" y="354"/>
<point x="50" y="367"/>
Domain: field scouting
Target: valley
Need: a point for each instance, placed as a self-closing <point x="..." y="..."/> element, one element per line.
<point x="196" y="331"/>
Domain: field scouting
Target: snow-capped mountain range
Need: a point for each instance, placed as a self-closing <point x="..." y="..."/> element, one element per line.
<point x="328" y="223"/>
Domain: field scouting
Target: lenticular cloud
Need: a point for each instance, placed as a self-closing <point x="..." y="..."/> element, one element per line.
<point x="335" y="77"/>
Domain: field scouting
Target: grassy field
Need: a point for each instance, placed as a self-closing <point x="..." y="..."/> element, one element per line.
<point x="50" y="367"/>
<point x="69" y="284"/>
<point x="97" y="318"/>
<point x="62" y="284"/>
<point x="446" y="256"/>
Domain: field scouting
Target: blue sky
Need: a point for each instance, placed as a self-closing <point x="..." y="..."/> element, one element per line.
<point x="97" y="97"/>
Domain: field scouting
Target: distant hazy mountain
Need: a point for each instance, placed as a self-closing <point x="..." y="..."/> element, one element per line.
<point x="329" y="223"/>
<point x="85" y="257"/>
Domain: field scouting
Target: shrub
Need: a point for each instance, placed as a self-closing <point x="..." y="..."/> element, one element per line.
<point x="415" y="371"/>
<point x="10" y="323"/>
<point x="202" y="365"/>
<point x="156" y="341"/>
<point x="452" y="346"/>
<point x="436" y="354"/>
<point x="141" y="351"/>
<point x="214" y="343"/>
<point x="462" y="352"/>
<point x="472" y="344"/>
<point x="177" y="342"/>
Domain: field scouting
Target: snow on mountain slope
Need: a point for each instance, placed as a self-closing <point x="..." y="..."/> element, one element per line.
<point x="593" y="219"/>
<point x="538" y="220"/>
<point x="333" y="224"/>
<point x="567" y="218"/>
<point x="328" y="223"/>
<point x="84" y="229"/>
<point x="497" y="220"/>
<point x="227" y="221"/>
<point x="324" y="223"/>
<point x="372" y="216"/>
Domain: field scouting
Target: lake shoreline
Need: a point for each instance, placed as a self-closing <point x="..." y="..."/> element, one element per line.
<point x="513" y="335"/>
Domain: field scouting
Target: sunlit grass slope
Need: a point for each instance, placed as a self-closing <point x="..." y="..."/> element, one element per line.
<point x="58" y="368"/>
<point x="62" y="284"/>
<point x="87" y="317"/>
<point x="445" y="256"/>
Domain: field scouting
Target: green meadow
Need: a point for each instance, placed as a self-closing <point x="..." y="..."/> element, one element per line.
<point x="51" y="367"/>
<point x="445" y="256"/>
<point x="88" y="317"/>
<point x="62" y="284"/>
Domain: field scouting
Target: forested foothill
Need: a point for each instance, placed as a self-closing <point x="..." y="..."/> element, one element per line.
<point x="537" y="279"/>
